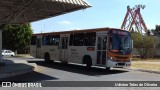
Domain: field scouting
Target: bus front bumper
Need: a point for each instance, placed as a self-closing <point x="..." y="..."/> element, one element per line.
<point x="112" y="63"/>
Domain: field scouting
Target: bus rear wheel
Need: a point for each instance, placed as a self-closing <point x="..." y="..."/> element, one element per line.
<point x="88" y="61"/>
<point x="46" y="58"/>
<point x="88" y="64"/>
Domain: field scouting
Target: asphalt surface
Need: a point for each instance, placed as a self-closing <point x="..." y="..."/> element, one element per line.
<point x="16" y="67"/>
<point x="71" y="72"/>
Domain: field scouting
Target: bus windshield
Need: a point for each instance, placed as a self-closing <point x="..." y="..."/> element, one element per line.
<point x="120" y="42"/>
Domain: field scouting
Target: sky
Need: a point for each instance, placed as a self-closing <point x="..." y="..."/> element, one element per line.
<point x="103" y="13"/>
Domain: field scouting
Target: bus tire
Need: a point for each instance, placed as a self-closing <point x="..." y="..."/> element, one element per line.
<point x="88" y="61"/>
<point x="47" y="58"/>
<point x="107" y="68"/>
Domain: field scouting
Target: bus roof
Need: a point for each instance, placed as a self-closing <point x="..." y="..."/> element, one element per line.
<point x="77" y="31"/>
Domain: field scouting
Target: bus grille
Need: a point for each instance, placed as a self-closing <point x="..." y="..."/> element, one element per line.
<point x="120" y="57"/>
<point x="120" y="64"/>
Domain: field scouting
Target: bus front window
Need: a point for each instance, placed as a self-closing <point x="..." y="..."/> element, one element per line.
<point x="120" y="44"/>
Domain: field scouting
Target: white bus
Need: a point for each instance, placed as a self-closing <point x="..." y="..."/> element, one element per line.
<point x="105" y="47"/>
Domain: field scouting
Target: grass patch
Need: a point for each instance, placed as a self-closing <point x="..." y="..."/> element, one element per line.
<point x="154" y="67"/>
<point x="147" y="64"/>
<point x="148" y="59"/>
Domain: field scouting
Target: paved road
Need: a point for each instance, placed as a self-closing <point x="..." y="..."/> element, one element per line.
<point x="70" y="72"/>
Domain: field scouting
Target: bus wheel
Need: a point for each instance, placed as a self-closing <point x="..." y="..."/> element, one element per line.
<point x="64" y="62"/>
<point x="89" y="64"/>
<point x="107" y="68"/>
<point x="47" y="58"/>
<point x="88" y="61"/>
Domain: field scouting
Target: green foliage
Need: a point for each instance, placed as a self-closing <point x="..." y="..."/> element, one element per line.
<point x="16" y="36"/>
<point x="157" y="30"/>
<point x="145" y="45"/>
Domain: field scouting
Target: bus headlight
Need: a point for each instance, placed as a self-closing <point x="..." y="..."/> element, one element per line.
<point x="130" y="60"/>
<point x="112" y="59"/>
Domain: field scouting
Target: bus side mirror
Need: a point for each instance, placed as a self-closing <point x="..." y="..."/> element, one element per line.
<point x="132" y="44"/>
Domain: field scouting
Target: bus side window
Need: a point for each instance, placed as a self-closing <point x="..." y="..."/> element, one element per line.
<point x="39" y="43"/>
<point x="78" y="39"/>
<point x="110" y="41"/>
<point x="104" y="43"/>
<point x="56" y="40"/>
<point x="49" y="40"/>
<point x="99" y="43"/>
<point x="71" y="40"/>
<point x="34" y="40"/>
<point x="44" y="40"/>
<point x="90" y="39"/>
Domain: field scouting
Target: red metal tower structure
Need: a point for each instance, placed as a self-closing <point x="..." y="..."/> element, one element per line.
<point x="134" y="17"/>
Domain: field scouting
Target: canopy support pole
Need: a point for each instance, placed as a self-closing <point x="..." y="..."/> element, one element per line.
<point x="1" y="60"/>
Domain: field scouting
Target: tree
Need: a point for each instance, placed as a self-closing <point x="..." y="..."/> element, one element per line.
<point x="157" y="30"/>
<point x="16" y="37"/>
<point x="145" y="45"/>
<point x="157" y="33"/>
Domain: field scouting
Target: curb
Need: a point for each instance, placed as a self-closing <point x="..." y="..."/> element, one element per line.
<point x="11" y="74"/>
<point x="144" y="70"/>
<point x="31" y="67"/>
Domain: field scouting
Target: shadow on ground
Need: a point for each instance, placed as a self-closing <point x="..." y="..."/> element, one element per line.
<point x="28" y="77"/>
<point x="37" y="76"/>
<point x="94" y="71"/>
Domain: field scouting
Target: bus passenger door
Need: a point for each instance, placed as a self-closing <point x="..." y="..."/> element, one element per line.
<point x="64" y="49"/>
<point x="101" y="50"/>
<point x="38" y="49"/>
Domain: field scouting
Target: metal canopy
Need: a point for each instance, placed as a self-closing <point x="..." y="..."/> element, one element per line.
<point x="22" y="11"/>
